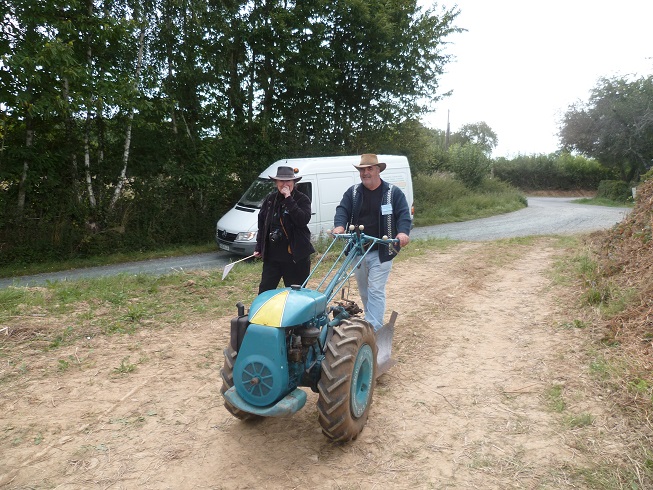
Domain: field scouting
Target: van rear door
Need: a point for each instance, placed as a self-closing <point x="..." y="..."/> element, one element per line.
<point x="401" y="178"/>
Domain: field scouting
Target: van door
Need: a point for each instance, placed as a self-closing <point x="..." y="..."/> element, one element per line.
<point x="331" y="187"/>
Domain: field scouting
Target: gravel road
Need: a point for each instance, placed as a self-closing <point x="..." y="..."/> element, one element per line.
<point x="543" y="216"/>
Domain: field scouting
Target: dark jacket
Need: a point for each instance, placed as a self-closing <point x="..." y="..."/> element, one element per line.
<point x="298" y="206"/>
<point x="398" y="221"/>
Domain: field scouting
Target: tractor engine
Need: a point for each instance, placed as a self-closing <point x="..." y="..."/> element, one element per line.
<point x="303" y="353"/>
<point x="278" y="345"/>
<point x="272" y="362"/>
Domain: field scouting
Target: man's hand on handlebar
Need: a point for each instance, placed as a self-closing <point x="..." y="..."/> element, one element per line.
<point x="403" y="239"/>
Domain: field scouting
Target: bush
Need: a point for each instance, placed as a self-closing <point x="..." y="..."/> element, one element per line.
<point x="647" y="176"/>
<point x="578" y="172"/>
<point x="614" y="190"/>
<point x="469" y="163"/>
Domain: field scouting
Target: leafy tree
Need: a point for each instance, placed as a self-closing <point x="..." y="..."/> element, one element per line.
<point x="615" y="125"/>
<point x="35" y="63"/>
<point x="128" y="123"/>
<point x="423" y="146"/>
<point x="479" y="134"/>
<point x="387" y="57"/>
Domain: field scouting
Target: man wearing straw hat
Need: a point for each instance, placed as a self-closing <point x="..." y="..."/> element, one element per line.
<point x="383" y="210"/>
<point x="284" y="240"/>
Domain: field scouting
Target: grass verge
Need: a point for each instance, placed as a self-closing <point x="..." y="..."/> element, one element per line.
<point x="601" y="201"/>
<point x="22" y="269"/>
<point x="442" y="199"/>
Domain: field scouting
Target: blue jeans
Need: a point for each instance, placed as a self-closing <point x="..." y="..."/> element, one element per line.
<point x="371" y="277"/>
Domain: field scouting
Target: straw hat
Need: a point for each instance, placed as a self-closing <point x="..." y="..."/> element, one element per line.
<point x="370" y="160"/>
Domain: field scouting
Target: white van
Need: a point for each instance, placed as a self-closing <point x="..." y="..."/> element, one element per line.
<point x="324" y="181"/>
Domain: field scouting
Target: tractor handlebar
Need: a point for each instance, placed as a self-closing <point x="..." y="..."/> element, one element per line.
<point x="357" y="247"/>
<point x="356" y="234"/>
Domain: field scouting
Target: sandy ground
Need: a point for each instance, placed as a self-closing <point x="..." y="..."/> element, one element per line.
<point x="479" y="343"/>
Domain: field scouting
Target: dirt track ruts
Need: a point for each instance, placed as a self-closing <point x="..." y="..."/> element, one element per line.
<point x="479" y="344"/>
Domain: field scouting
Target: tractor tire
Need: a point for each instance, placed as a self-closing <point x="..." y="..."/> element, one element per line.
<point x="347" y="380"/>
<point x="227" y="373"/>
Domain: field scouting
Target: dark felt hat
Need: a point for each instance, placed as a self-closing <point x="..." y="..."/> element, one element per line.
<point x="286" y="173"/>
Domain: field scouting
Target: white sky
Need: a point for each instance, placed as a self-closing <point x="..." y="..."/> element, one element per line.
<point x="521" y="63"/>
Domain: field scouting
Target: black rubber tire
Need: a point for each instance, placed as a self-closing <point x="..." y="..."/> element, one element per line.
<point x="227" y="374"/>
<point x="345" y="396"/>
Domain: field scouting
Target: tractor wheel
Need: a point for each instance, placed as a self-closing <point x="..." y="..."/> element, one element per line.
<point x="347" y="380"/>
<point x="227" y="373"/>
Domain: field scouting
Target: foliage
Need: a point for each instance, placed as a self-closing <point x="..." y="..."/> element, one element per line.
<point x="479" y="134"/>
<point x="614" y="190"/>
<point x="129" y="125"/>
<point x="469" y="163"/>
<point x="441" y="198"/>
<point x="424" y="147"/>
<point x="647" y="176"/>
<point x="615" y="126"/>
<point x="561" y="171"/>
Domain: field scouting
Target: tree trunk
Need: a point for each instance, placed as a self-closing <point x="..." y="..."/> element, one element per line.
<point x="128" y="132"/>
<point x="87" y="163"/>
<point x="22" y="191"/>
<point x="87" y="152"/>
<point x="70" y="137"/>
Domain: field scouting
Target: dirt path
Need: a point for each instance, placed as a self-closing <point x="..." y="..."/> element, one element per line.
<point x="479" y="346"/>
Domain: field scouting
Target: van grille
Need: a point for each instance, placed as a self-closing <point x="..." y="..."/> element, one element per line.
<point x="227" y="237"/>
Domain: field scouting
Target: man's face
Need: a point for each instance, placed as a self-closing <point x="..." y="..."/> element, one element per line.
<point x="370" y="176"/>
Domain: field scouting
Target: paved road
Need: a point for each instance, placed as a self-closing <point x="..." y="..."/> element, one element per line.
<point x="543" y="216"/>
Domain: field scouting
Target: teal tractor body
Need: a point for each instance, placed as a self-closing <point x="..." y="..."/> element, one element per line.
<point x="294" y="337"/>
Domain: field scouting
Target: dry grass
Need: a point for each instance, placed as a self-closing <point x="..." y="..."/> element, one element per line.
<point x="625" y="266"/>
<point x="615" y="334"/>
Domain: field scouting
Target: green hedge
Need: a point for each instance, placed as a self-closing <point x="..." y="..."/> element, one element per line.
<point x="552" y="172"/>
<point x="615" y="190"/>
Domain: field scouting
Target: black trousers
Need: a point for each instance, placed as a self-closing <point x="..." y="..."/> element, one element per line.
<point x="291" y="272"/>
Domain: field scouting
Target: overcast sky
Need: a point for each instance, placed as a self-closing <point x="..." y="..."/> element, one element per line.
<point x="521" y="63"/>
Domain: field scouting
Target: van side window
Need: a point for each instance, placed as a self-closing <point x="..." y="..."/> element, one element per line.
<point x="306" y="188"/>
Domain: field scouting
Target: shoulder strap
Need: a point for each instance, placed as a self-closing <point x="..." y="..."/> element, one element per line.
<point x="389" y="216"/>
<point x="354" y="196"/>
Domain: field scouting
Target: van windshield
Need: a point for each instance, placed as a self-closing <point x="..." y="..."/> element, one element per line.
<point x="254" y="196"/>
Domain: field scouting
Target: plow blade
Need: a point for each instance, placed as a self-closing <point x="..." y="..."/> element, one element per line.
<point x="384" y="336"/>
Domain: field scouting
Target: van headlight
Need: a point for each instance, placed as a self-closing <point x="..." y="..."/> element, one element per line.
<point x="246" y="236"/>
